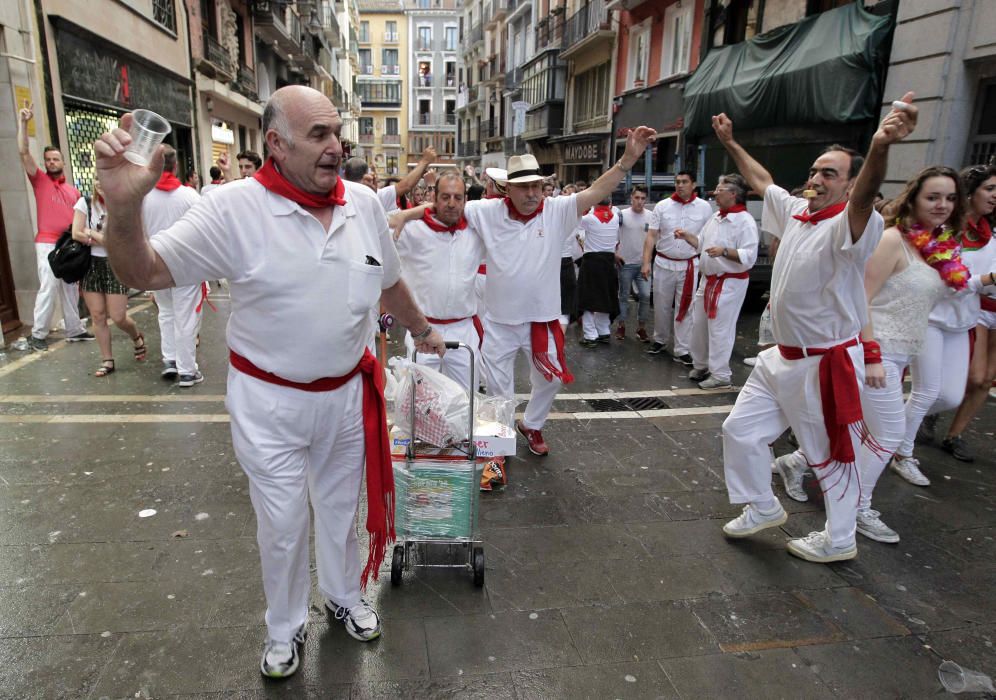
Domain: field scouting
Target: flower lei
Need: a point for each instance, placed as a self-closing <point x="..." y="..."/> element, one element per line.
<point x="941" y="250"/>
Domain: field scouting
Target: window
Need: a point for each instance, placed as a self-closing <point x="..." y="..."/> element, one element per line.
<point x="366" y="62"/>
<point x="638" y="60"/>
<point x="392" y="165"/>
<point x="365" y="32"/>
<point x="391" y="30"/>
<point x="380" y="91"/>
<point x="677" y="40"/>
<point x="451" y="112"/>
<point x="450" y="70"/>
<point x="425" y="73"/>
<point x="451" y="38"/>
<point x="391" y="126"/>
<point x="424" y="113"/>
<point x="982" y="140"/>
<point x="164" y="13"/>
<point x="424" y="39"/>
<point x="366" y="126"/>
<point x="591" y="95"/>
<point x="389" y="61"/>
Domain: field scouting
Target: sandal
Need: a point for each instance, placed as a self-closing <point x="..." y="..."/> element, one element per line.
<point x="106" y="368"/>
<point x="140" y="350"/>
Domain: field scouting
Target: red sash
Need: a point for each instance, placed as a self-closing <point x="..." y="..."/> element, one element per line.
<point x="380" y="475"/>
<point x="475" y="319"/>
<point x="540" y="346"/>
<point x="714" y="287"/>
<point x="687" y="290"/>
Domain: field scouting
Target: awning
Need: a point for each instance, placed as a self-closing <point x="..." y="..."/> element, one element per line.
<point x="824" y="69"/>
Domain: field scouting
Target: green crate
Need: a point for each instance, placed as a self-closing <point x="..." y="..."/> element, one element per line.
<point x="436" y="498"/>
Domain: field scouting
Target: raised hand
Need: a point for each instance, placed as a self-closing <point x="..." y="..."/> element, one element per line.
<point x="639" y="140"/>
<point x="898" y="123"/>
<point x="26" y="112"/>
<point x="122" y="181"/>
<point x="723" y="126"/>
<point x="429" y="154"/>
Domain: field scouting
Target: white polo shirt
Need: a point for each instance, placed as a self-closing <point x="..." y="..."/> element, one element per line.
<point x="670" y="214"/>
<point x="818" y="280"/>
<point x="440" y="268"/>
<point x="302" y="297"/>
<point x="388" y="197"/>
<point x="600" y="237"/>
<point x="523" y="258"/>
<point x="161" y="209"/>
<point x="737" y="230"/>
<point x="633" y="229"/>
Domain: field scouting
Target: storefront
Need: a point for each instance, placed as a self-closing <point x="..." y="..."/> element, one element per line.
<point x="584" y="157"/>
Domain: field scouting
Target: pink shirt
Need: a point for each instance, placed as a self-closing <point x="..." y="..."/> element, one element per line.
<point x="54" y="204"/>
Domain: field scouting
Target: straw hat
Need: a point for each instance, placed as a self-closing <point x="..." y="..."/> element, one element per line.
<point x="523" y="169"/>
<point x="496" y="174"/>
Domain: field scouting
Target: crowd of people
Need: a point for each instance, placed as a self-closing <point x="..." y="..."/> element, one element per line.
<point x="505" y="262"/>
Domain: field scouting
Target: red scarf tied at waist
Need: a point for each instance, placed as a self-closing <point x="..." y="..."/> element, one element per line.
<point x="273" y="180"/>
<point x="380" y="474"/>
<point x="168" y="182"/>
<point x="540" y="345"/>
<point x="475" y="319"/>
<point x="714" y="288"/>
<point x="822" y="215"/>
<point x="603" y="213"/>
<point x="687" y="288"/>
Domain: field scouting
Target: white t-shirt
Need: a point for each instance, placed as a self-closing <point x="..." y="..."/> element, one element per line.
<point x="440" y="268"/>
<point x="670" y="214"/>
<point x="737" y="230"/>
<point x="161" y="209"/>
<point x="302" y="297"/>
<point x="818" y="280"/>
<point x="959" y="311"/>
<point x="633" y="229"/>
<point x="210" y="186"/>
<point x="600" y="237"/>
<point x="388" y="197"/>
<point x="523" y="258"/>
<point x="98" y="216"/>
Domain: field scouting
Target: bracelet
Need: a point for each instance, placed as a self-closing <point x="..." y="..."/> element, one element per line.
<point x="619" y="165"/>
<point x="873" y="352"/>
<point x="418" y="337"/>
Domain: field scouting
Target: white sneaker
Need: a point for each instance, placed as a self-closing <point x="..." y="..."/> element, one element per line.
<point x="281" y="659"/>
<point x="750" y="361"/>
<point x="816" y="547"/>
<point x="713" y="384"/>
<point x="871" y="526"/>
<point x="361" y="621"/>
<point x="792" y="468"/>
<point x="752" y="521"/>
<point x="909" y="469"/>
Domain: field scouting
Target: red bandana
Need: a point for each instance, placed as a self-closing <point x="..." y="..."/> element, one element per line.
<point x="216" y="182"/>
<point x="679" y="200"/>
<point x="821" y="215"/>
<point x="436" y="225"/>
<point x="736" y="208"/>
<point x="982" y="232"/>
<point x="167" y="182"/>
<point x="273" y="180"/>
<point x="513" y="213"/>
<point x="603" y="213"/>
<point x="59" y="179"/>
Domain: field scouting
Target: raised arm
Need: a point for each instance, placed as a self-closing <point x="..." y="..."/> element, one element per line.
<point x="409" y="181"/>
<point x="897" y="125"/>
<point x="757" y="177"/>
<point x="30" y="166"/>
<point x="636" y="145"/>
<point x="125" y="184"/>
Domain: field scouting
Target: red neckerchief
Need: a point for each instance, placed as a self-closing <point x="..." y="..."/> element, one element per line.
<point x="603" y="213"/>
<point x="216" y="182"/>
<point x="983" y="233"/>
<point x="437" y="225"/>
<point x="821" y="215"/>
<point x="273" y="180"/>
<point x="59" y="179"/>
<point x="514" y="213"/>
<point x="735" y="209"/>
<point x="168" y="182"/>
<point x="679" y="200"/>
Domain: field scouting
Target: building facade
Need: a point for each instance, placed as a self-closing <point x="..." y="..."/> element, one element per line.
<point x="382" y="85"/>
<point x="434" y="41"/>
<point x="470" y="96"/>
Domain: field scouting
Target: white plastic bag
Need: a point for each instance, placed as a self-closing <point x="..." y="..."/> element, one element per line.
<point x="442" y="406"/>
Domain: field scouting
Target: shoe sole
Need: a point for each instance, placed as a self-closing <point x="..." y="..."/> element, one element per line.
<point x="877" y="538"/>
<point x="776" y="468"/>
<point x="168" y="375"/>
<point x="753" y="531"/>
<point x="722" y="387"/>
<point x="78" y="340"/>
<point x="186" y="385"/>
<point x="826" y="559"/>
<point x="280" y="676"/>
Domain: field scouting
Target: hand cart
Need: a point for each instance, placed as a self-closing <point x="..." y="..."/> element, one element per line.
<point x="437" y="499"/>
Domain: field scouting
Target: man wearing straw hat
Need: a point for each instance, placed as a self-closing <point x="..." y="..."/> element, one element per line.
<point x="305" y="394"/>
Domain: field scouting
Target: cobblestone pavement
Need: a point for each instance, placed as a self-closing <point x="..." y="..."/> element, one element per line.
<point x="607" y="572"/>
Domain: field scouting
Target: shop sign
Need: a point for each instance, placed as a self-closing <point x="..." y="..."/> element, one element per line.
<point x="585" y="152"/>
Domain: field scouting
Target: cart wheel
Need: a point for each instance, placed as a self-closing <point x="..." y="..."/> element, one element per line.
<point x="478" y="563"/>
<point x="397" y="564"/>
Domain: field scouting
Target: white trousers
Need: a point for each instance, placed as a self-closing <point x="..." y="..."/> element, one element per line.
<point x="51" y="288"/>
<point x="668" y="286"/>
<point x="594" y="324"/>
<point x="179" y="322"/>
<point x="455" y="364"/>
<point x="502" y="343"/>
<point x="940" y="373"/>
<point x="778" y="394"/>
<point x="294" y="444"/>
<point x="712" y="338"/>
<point x="885" y="416"/>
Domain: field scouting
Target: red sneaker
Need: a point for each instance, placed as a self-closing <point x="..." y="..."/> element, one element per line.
<point x="534" y="438"/>
<point x="621" y="331"/>
<point x="642" y="336"/>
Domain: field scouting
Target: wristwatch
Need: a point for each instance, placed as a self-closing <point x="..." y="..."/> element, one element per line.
<point x="418" y="337"/>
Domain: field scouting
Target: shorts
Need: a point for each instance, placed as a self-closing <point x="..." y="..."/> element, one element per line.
<point x="100" y="278"/>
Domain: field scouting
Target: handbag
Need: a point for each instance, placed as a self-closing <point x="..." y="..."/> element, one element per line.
<point x="70" y="259"/>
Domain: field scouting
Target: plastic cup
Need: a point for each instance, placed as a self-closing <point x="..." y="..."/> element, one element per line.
<point x="147" y="131"/>
<point x="956" y="679"/>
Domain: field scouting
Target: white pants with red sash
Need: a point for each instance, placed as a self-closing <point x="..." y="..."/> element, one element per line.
<point x="179" y="322"/>
<point x="502" y="344"/>
<point x="295" y="445"/>
<point x="779" y="394"/>
<point x="456" y="363"/>
<point x="712" y="338"/>
<point x="669" y="287"/>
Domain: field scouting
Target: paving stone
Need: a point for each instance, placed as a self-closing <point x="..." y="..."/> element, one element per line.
<point x="53" y="666"/>
<point x="855" y="612"/>
<point x="772" y="673"/>
<point x="32" y="610"/>
<point x="498" y="686"/>
<point x="670" y="578"/>
<point x="542" y="586"/>
<point x="625" y="508"/>
<point x="699" y="537"/>
<point x="560" y="545"/>
<point x="758" y="570"/>
<point x="623" y="680"/>
<point x="971" y="648"/>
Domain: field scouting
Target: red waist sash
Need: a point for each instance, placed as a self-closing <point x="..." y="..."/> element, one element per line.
<point x="714" y="287"/>
<point x="686" y="289"/>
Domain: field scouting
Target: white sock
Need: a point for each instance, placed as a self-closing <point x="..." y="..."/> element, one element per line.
<point x="767" y="506"/>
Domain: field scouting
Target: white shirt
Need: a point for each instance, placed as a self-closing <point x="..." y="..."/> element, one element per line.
<point x="523" y="258"/>
<point x="600" y="237"/>
<point x="302" y="297"/>
<point x="737" y="230"/>
<point x="670" y="214"/>
<point x="633" y="229"/>
<point x="818" y="280"/>
<point x="959" y="311"/>
<point x="210" y="186"/>
<point x="96" y="220"/>
<point x="388" y="197"/>
<point x="440" y="268"/>
<point x="161" y="209"/>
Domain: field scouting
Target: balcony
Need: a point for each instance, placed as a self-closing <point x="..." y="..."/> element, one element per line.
<point x="216" y="62"/>
<point x="430" y="119"/>
<point x="494" y="12"/>
<point x="391" y="139"/>
<point x="277" y="25"/>
<point x="491" y="129"/>
<point x="245" y="82"/>
<point x="470" y="148"/>
<point x="390" y="70"/>
<point x="513" y="78"/>
<point x="587" y="28"/>
<point x="390" y="37"/>
<point x="422" y="44"/>
<point x="366" y="139"/>
<point x="549" y="33"/>
<point x="543" y="123"/>
<point x="512" y="145"/>
<point x="423" y="80"/>
<point x="367" y="69"/>
<point x="330" y="26"/>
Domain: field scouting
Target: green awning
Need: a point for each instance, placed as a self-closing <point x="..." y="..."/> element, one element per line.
<point x="821" y="70"/>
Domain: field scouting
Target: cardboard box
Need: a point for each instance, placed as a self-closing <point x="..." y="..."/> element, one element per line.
<point x="492" y="440"/>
